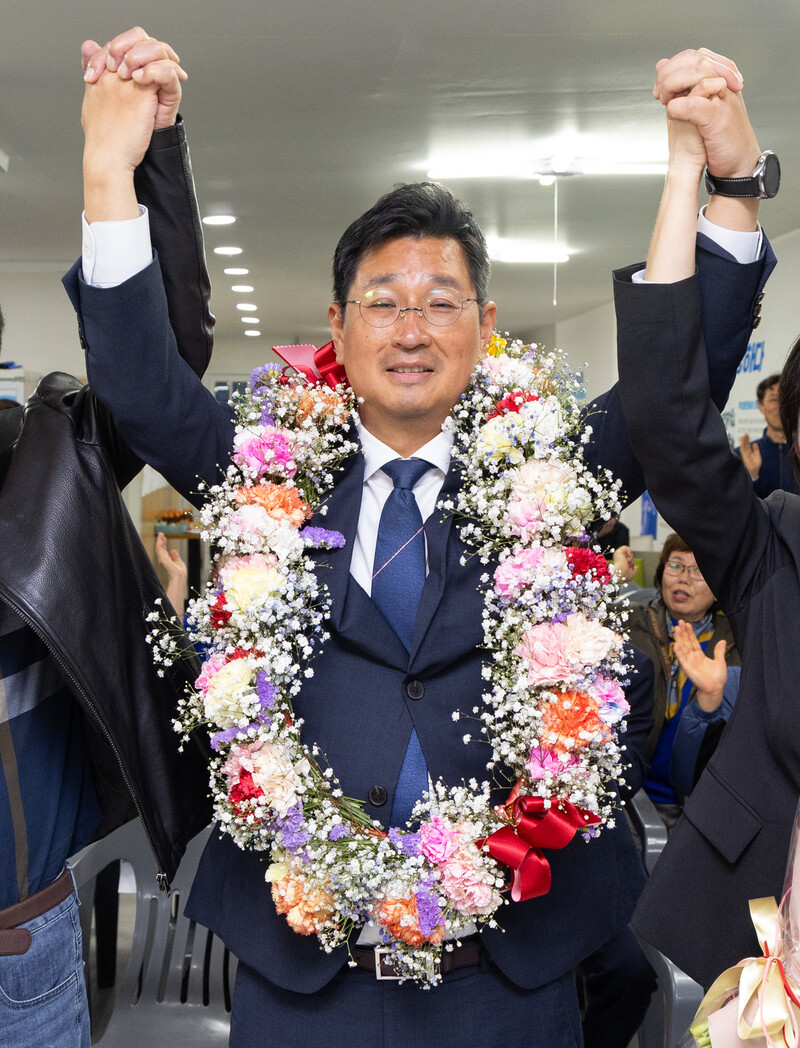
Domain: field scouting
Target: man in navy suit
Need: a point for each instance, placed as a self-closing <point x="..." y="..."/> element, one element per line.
<point x="371" y="694"/>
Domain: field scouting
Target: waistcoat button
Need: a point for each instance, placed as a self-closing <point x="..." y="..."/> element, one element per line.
<point x="415" y="689"/>
<point x="377" y="796"/>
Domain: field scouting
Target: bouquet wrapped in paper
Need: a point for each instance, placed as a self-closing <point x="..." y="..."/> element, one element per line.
<point x="757" y="1002"/>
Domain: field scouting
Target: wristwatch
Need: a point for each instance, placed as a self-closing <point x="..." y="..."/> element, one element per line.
<point x="763" y="184"/>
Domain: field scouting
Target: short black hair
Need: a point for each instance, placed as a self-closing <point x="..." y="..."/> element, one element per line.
<point x="764" y="385"/>
<point x="789" y="405"/>
<point x="416" y="209"/>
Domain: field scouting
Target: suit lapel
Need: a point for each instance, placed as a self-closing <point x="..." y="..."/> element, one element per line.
<point x="437" y="534"/>
<point x="342" y="509"/>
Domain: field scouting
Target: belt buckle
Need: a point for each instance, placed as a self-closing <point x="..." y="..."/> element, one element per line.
<point x="383" y="951"/>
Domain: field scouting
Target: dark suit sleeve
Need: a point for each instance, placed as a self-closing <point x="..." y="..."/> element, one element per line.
<point x="148" y="340"/>
<point x="677" y="433"/>
<point x="159" y="405"/>
<point x="165" y="186"/>
<point x="729" y="293"/>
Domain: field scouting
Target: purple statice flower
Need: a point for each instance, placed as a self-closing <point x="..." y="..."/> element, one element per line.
<point x="406" y="843"/>
<point x="338" y="831"/>
<point x="222" y="738"/>
<point x="266" y="694"/>
<point x="262" y="375"/>
<point x="292" y="828"/>
<point x="321" y="538"/>
<point x="428" y="910"/>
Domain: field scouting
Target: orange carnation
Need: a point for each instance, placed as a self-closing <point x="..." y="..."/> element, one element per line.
<point x="573" y="713"/>
<point x="306" y="909"/>
<point x="321" y="400"/>
<point x="280" y="501"/>
<point x="401" y="918"/>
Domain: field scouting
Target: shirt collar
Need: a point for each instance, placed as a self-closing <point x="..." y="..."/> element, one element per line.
<point x="377" y="454"/>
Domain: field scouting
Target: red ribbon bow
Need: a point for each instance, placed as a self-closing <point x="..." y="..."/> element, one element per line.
<point x="318" y="366"/>
<point x="532" y="828"/>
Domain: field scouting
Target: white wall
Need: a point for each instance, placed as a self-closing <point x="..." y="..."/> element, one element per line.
<point x="41" y="331"/>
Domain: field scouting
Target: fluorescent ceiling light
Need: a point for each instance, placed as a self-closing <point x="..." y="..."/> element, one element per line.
<point x="503" y="249"/>
<point x="219" y="220"/>
<point x="250" y="320"/>
<point x="227" y="251"/>
<point x="246" y="307"/>
<point x="244" y="289"/>
<point x="564" y="154"/>
<point x="252" y="332"/>
<point x="234" y="271"/>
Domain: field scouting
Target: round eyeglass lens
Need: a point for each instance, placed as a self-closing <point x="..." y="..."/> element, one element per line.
<point x="440" y="307"/>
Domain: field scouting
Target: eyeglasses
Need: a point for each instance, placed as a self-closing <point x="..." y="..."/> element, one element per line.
<point x="675" y="568"/>
<point x="440" y="307"/>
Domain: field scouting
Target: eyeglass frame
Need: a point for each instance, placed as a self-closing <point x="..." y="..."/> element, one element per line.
<point x="692" y="570"/>
<point x="402" y="310"/>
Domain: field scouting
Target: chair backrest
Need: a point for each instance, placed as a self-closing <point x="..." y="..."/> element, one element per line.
<point x="176" y="988"/>
<point x="674" y="1005"/>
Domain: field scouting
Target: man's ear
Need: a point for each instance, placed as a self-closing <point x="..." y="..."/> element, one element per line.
<point x="488" y="324"/>
<point x="336" y="323"/>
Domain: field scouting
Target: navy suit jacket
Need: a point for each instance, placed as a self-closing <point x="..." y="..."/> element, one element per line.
<point x="357" y="706"/>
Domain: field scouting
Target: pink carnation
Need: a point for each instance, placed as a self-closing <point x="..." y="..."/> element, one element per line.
<point x="438" y="840"/>
<point x="586" y="641"/>
<point x="542" y="763"/>
<point x="266" y="450"/>
<point x="462" y="881"/>
<point x="610" y="698"/>
<point x="516" y="572"/>
<point x="520" y="570"/>
<point x="542" y="649"/>
<point x="211" y="667"/>
<point x="526" y="516"/>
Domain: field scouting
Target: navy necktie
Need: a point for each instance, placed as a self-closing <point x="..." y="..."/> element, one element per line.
<point x="397" y="581"/>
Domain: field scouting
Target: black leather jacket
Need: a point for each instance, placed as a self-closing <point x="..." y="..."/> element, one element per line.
<point x="72" y="564"/>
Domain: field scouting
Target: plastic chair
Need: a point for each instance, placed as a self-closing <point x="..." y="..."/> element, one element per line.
<point x="673" y="1006"/>
<point x="176" y="989"/>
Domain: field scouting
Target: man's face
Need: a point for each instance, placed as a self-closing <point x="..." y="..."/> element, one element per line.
<point x="769" y="408"/>
<point x="410" y="374"/>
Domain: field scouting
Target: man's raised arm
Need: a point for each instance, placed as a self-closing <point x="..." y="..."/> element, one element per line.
<point x="731" y="255"/>
<point x="134" y="366"/>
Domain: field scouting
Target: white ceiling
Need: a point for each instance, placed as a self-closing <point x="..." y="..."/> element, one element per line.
<point x="301" y="114"/>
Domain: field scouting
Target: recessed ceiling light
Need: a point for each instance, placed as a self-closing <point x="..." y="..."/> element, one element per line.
<point x="246" y="307"/>
<point x="227" y="251"/>
<point x="219" y="220"/>
<point x="242" y="288"/>
<point x="250" y="320"/>
<point x="502" y="249"/>
<point x="253" y="332"/>
<point x="235" y="271"/>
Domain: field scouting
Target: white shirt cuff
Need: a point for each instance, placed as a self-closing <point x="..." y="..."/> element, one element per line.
<point x="745" y="247"/>
<point x="113" y="252"/>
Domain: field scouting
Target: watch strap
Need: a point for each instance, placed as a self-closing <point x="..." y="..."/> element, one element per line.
<point x="747" y="186"/>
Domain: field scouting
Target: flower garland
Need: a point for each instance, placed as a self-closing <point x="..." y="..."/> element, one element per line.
<point x="552" y="704"/>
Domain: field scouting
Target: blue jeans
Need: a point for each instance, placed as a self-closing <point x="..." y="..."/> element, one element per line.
<point x="42" y="993"/>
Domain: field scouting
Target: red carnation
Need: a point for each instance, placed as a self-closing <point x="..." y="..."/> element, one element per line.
<point x="244" y="790"/>
<point x="585" y="562"/>
<point x="513" y="402"/>
<point x="219" y="614"/>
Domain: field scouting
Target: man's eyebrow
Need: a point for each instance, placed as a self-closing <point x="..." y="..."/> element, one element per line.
<point x="442" y="279"/>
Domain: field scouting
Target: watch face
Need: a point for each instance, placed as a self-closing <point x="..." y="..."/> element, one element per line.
<point x="771" y="175"/>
